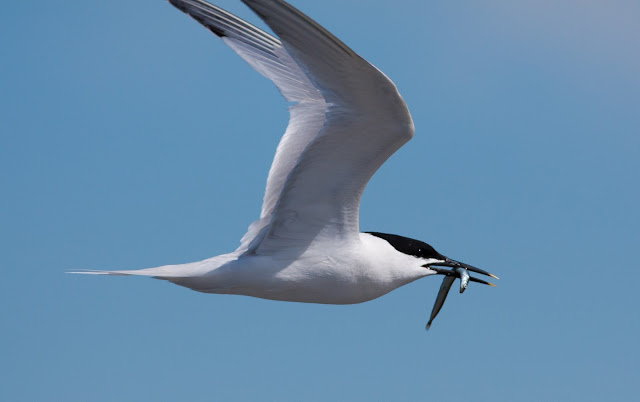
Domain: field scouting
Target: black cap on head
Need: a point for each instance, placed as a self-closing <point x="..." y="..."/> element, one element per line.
<point x="409" y="246"/>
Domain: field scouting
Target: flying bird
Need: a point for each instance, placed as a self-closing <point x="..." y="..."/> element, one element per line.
<point x="347" y="118"/>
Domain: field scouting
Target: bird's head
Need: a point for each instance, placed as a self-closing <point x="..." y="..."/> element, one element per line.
<point x="433" y="260"/>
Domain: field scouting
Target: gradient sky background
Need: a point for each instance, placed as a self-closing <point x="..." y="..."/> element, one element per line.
<point x="132" y="137"/>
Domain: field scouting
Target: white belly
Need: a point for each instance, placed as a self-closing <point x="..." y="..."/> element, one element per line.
<point x="310" y="278"/>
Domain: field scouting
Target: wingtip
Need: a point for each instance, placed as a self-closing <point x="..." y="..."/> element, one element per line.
<point x="177" y="4"/>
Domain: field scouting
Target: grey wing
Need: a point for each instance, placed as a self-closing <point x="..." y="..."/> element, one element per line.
<point x="365" y="122"/>
<point x="268" y="56"/>
<point x="348" y="119"/>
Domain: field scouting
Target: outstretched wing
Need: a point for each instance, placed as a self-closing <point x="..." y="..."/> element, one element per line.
<point x="348" y="120"/>
<point x="266" y="55"/>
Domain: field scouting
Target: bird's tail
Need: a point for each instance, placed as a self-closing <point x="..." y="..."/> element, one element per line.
<point x="164" y="272"/>
<point x="190" y="275"/>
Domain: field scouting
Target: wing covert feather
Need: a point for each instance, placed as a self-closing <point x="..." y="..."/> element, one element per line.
<point x="347" y="120"/>
<point x="366" y="122"/>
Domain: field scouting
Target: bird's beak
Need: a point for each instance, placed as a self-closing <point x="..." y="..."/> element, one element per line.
<point x="458" y="270"/>
<point x="448" y="262"/>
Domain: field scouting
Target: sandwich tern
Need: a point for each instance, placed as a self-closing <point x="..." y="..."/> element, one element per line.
<point x="347" y="118"/>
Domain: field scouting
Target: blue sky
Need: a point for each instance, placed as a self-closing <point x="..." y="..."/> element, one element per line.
<point x="132" y="137"/>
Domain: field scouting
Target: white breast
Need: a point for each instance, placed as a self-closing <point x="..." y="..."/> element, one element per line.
<point x="325" y="272"/>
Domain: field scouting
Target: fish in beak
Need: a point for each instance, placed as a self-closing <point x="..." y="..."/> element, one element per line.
<point x="457" y="270"/>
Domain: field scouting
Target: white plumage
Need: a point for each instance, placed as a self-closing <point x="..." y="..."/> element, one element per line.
<point x="348" y="118"/>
